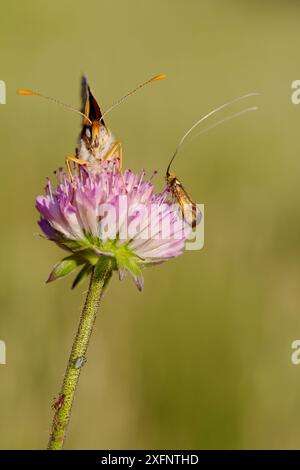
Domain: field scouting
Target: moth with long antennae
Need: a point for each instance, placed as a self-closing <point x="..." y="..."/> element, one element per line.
<point x="96" y="142"/>
<point x="187" y="206"/>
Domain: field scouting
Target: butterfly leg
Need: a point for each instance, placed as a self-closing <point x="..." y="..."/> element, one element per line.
<point x="76" y="160"/>
<point x="116" y="153"/>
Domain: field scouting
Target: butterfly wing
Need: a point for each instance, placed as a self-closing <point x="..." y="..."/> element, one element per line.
<point x="85" y="104"/>
<point x="90" y="106"/>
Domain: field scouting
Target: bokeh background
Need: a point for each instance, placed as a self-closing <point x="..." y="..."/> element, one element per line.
<point x="201" y="358"/>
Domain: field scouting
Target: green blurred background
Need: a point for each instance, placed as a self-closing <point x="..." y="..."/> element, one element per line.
<point x="201" y="358"/>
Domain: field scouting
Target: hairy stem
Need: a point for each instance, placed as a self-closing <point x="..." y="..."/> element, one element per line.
<point x="63" y="406"/>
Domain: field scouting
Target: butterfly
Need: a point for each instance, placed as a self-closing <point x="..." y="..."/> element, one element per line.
<point x="96" y="142"/>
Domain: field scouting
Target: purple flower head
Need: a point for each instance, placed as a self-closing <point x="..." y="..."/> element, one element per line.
<point x="109" y="214"/>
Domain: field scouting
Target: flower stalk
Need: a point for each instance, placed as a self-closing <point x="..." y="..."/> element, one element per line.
<point x="100" y="275"/>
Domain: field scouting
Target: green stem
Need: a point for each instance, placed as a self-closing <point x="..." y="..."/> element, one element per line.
<point x="100" y="276"/>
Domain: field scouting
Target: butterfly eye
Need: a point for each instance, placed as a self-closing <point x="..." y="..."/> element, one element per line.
<point x="103" y="133"/>
<point x="88" y="132"/>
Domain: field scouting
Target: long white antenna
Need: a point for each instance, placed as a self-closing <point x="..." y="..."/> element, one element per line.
<point x="203" y="118"/>
<point x="227" y="118"/>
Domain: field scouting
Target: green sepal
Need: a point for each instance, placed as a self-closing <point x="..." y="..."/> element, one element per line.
<point x="126" y="260"/>
<point x="65" y="267"/>
<point x="82" y="275"/>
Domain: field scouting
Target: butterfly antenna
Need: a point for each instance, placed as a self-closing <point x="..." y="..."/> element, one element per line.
<point x="117" y="103"/>
<point x="35" y="93"/>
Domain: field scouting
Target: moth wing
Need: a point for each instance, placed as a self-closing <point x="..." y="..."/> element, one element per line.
<point x="189" y="210"/>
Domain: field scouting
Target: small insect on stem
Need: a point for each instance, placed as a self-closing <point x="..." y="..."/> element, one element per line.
<point x="187" y="206"/>
<point x="58" y="403"/>
<point x="79" y="362"/>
